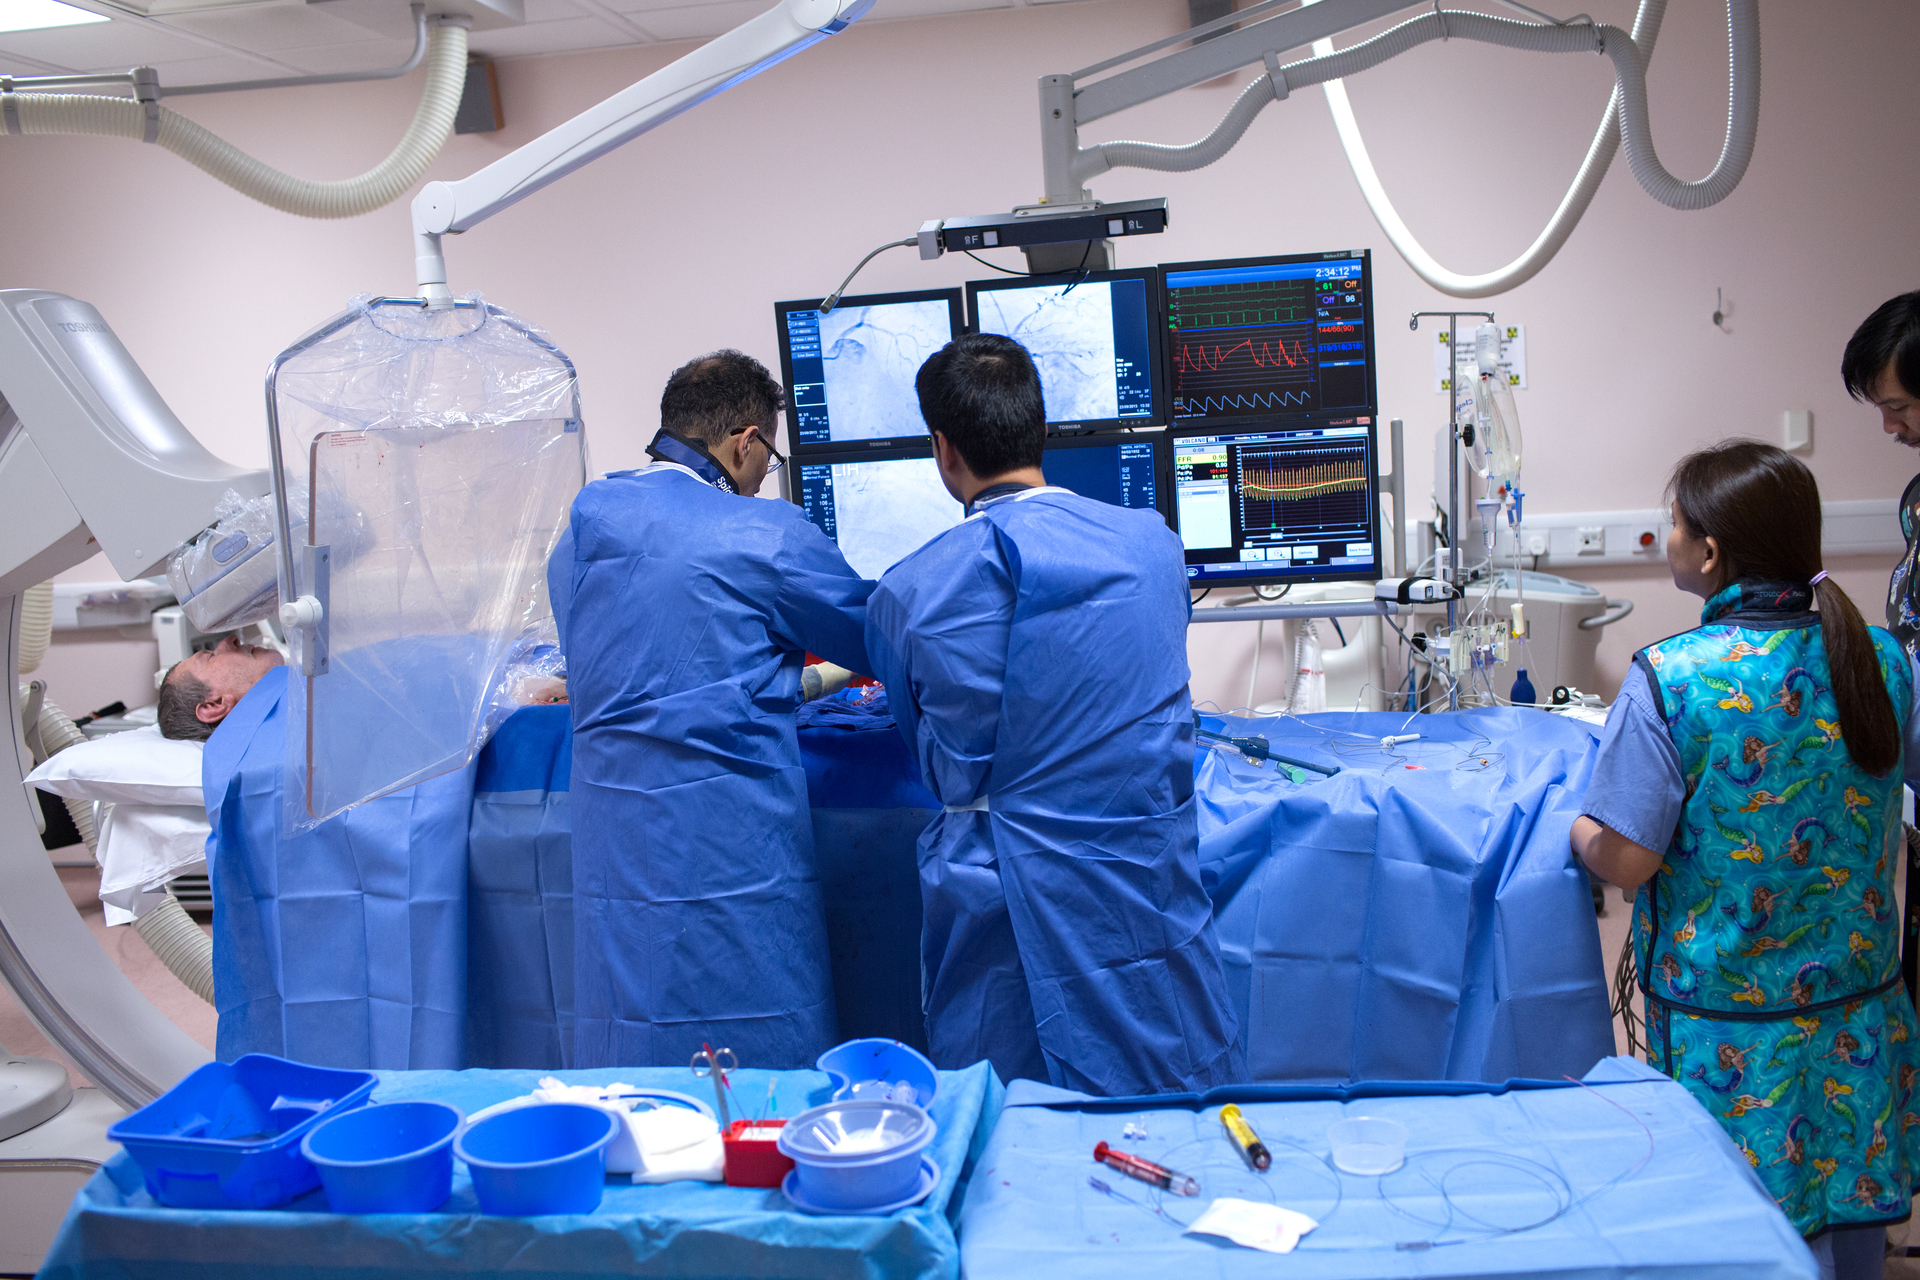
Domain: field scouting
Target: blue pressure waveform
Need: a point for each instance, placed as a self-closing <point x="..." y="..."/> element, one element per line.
<point x="1195" y="406"/>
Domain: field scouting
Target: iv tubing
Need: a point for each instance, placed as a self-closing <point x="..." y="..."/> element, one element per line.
<point x="393" y="177"/>
<point x="1627" y="115"/>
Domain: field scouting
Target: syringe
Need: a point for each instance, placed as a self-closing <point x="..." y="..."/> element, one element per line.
<point x="1147" y="1171"/>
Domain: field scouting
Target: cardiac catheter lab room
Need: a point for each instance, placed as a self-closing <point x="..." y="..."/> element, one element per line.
<point x="791" y="639"/>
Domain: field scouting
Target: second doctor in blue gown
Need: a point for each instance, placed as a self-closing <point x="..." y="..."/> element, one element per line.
<point x="685" y="610"/>
<point x="1035" y="657"/>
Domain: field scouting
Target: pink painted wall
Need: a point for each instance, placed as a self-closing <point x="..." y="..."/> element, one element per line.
<point x="682" y="241"/>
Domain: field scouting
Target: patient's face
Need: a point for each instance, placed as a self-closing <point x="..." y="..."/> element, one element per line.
<point x="228" y="670"/>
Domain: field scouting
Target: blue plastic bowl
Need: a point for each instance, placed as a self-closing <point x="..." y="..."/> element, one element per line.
<point x="858" y="1066"/>
<point x="858" y="1154"/>
<point x="228" y="1136"/>
<point x="550" y="1158"/>
<point x="392" y="1157"/>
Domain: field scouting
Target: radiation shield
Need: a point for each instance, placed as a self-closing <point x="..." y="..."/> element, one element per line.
<point x="437" y="454"/>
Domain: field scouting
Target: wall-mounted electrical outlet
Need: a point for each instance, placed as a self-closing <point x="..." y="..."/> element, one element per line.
<point x="1590" y="540"/>
<point x="1536" y="544"/>
<point x="1797" y="430"/>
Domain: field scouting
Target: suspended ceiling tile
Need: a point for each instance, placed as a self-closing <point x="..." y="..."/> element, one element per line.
<point x="269" y="30"/>
<point x="885" y="9"/>
<point x="553" y="10"/>
<point x="13" y="65"/>
<point x="219" y="68"/>
<point x="667" y="21"/>
<point x="118" y="44"/>
<point x="361" y="55"/>
<point x="563" y="36"/>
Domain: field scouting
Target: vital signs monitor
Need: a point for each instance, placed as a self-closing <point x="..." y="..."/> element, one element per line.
<point x="1288" y="502"/>
<point x="1264" y="339"/>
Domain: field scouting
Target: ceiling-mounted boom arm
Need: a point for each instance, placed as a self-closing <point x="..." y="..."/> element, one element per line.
<point x="452" y="207"/>
<point x="1069" y="101"/>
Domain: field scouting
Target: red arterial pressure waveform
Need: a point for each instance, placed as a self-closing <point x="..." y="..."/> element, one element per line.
<point x="1195" y="357"/>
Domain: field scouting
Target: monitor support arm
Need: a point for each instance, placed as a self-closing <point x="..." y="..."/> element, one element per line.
<point x="449" y="208"/>
<point x="1260" y="34"/>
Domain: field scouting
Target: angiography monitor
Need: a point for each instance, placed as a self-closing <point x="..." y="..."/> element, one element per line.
<point x="850" y="372"/>
<point x="880" y="505"/>
<point x="1257" y="340"/>
<point x="1095" y="337"/>
<point x="1287" y="502"/>
<point x="1121" y="468"/>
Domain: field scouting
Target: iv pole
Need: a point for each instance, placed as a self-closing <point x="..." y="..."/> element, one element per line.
<point x="1455" y="575"/>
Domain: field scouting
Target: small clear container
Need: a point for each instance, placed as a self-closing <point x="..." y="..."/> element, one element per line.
<point x="1368" y="1145"/>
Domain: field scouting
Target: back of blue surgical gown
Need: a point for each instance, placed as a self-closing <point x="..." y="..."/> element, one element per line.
<point x="1035" y="657"/>
<point x="685" y="613"/>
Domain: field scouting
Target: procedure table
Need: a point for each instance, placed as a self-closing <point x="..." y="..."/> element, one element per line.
<point x="1627" y="1176"/>
<point x="115" y="1229"/>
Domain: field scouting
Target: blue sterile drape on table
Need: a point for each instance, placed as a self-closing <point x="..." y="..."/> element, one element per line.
<point x="1414" y="916"/>
<point x="115" y="1229"/>
<point x="1418" y="914"/>
<point x="345" y="945"/>
<point x="1625" y="1176"/>
<point x="520" y="896"/>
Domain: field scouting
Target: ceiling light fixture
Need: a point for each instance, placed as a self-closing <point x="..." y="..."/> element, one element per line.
<point x="37" y="15"/>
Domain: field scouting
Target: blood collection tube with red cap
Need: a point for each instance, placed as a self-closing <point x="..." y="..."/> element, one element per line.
<point x="1146" y="1171"/>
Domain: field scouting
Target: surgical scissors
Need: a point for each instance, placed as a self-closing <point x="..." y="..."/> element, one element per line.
<point x="719" y="1064"/>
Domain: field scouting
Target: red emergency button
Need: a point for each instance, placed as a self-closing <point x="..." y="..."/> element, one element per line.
<point x="1646" y="539"/>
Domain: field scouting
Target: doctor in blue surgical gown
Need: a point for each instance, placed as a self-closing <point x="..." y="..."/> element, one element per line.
<point x="1035" y="657"/>
<point x="685" y="609"/>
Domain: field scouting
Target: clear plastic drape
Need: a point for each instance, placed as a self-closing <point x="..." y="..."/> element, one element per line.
<point x="431" y="458"/>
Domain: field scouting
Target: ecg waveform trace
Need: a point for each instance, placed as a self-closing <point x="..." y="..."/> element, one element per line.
<point x="1293" y="484"/>
<point x="1264" y="302"/>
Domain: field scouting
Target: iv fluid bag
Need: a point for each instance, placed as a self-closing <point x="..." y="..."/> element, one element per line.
<point x="1497" y="456"/>
<point x="436" y="455"/>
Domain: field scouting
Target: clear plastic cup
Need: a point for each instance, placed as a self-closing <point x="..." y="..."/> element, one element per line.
<point x="1368" y="1145"/>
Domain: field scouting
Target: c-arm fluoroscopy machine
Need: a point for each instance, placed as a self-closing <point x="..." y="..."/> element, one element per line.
<point x="92" y="460"/>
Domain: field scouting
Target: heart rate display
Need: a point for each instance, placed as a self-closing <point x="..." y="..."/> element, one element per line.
<point x="1268" y="338"/>
<point x="1277" y="506"/>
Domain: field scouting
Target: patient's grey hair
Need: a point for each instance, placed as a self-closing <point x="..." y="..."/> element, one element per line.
<point x="180" y="696"/>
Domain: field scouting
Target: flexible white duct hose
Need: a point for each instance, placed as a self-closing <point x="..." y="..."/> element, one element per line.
<point x="181" y="944"/>
<point x="47" y="113"/>
<point x="36" y="626"/>
<point x="1630" y="99"/>
<point x="57" y="733"/>
<point x="1573" y="206"/>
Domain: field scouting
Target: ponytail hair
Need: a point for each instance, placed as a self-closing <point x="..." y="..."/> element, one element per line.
<point x="1762" y="506"/>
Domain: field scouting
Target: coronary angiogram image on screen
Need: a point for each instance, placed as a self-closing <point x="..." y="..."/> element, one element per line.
<point x="1070" y="335"/>
<point x="885" y="510"/>
<point x="869" y="356"/>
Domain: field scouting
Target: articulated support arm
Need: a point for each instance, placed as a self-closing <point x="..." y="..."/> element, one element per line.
<point x="1066" y="103"/>
<point x="452" y="207"/>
